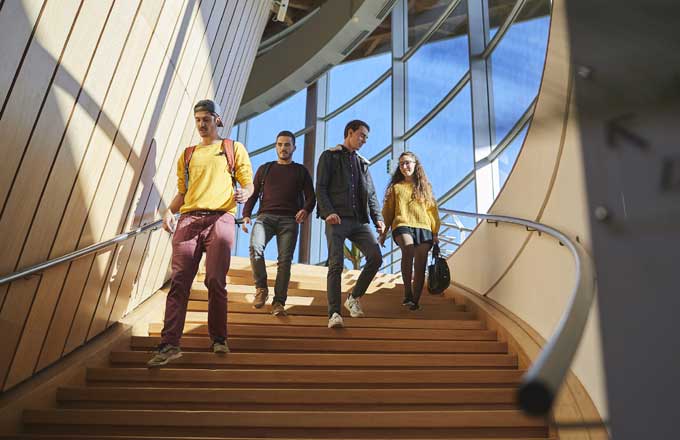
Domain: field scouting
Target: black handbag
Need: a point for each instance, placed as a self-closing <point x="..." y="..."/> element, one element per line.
<point x="438" y="275"/>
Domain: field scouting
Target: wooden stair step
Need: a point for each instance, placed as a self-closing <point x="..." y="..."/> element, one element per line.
<point x="224" y="398"/>
<point x="280" y="423"/>
<point x="354" y="360"/>
<point x="393" y="378"/>
<point x="322" y="321"/>
<point x="395" y="311"/>
<point x="240" y="344"/>
<point x="246" y="294"/>
<point x="289" y="331"/>
<point x="80" y="436"/>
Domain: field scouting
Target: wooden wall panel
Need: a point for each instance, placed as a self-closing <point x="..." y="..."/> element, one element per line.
<point x="21" y="111"/>
<point x="113" y="146"/>
<point x="97" y="109"/>
<point x="19" y="19"/>
<point x="95" y="93"/>
<point x="91" y="17"/>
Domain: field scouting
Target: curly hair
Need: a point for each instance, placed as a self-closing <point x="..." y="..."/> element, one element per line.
<point x="422" y="189"/>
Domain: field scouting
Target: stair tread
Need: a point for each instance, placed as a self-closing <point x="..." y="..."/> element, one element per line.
<point x="336" y="345"/>
<point x="404" y="396"/>
<point x="322" y="321"/>
<point x="283" y="376"/>
<point x="297" y="419"/>
<point x="335" y="360"/>
<point x="292" y="331"/>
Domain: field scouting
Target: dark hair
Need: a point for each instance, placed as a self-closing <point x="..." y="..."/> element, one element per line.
<point x="422" y="190"/>
<point x="354" y="126"/>
<point x="286" y="133"/>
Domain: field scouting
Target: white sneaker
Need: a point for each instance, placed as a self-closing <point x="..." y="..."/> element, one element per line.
<point x="335" y="321"/>
<point x="352" y="304"/>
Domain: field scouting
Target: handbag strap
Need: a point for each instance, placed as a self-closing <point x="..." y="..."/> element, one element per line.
<point x="435" y="251"/>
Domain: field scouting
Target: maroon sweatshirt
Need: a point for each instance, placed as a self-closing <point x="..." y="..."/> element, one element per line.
<point x="287" y="189"/>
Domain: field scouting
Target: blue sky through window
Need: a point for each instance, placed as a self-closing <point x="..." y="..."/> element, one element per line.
<point x="445" y="144"/>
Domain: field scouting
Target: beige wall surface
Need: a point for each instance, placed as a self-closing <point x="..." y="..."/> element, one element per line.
<point x="96" y="100"/>
<point x="531" y="274"/>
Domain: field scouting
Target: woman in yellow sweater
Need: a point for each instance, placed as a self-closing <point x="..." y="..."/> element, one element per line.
<point x="410" y="210"/>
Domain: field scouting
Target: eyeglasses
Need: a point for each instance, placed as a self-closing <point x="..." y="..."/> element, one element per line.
<point x="406" y="162"/>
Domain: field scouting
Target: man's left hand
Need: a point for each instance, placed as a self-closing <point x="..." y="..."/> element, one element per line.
<point x="380" y="227"/>
<point x="301" y="216"/>
<point x="241" y="195"/>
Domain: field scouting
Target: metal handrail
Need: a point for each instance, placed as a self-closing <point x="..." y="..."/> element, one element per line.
<point x="540" y="384"/>
<point x="37" y="268"/>
<point x="80" y="253"/>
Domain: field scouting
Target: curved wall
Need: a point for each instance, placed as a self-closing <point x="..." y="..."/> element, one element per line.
<point x="96" y="103"/>
<point x="528" y="274"/>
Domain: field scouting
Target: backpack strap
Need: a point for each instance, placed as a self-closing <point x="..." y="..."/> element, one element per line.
<point x="265" y="171"/>
<point x="301" y="185"/>
<point x="188" y="152"/>
<point x="228" y="147"/>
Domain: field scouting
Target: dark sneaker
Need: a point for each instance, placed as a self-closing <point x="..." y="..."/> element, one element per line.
<point x="278" y="309"/>
<point x="220" y="347"/>
<point x="408" y="302"/>
<point x="164" y="354"/>
<point x="414" y="307"/>
<point x="261" y="295"/>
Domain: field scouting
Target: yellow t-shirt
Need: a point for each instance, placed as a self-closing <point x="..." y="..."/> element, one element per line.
<point x="399" y="209"/>
<point x="210" y="186"/>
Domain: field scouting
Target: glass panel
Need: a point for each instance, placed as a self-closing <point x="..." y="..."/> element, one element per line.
<point x="507" y="158"/>
<point x="380" y="177"/>
<point x="422" y="15"/>
<point x="376" y="110"/>
<point x="517" y="68"/>
<point x="499" y="10"/>
<point x="436" y="67"/>
<point x="234" y="132"/>
<point x="444" y="145"/>
<point x="288" y="115"/>
<point x="350" y="78"/>
<point x="465" y="200"/>
<point x="243" y="241"/>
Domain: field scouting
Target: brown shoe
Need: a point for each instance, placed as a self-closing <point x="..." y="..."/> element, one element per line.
<point x="278" y="309"/>
<point x="261" y="294"/>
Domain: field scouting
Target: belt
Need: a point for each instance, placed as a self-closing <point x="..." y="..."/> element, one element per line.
<point x="205" y="212"/>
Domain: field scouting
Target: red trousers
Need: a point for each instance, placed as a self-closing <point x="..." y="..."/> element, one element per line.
<point x="212" y="232"/>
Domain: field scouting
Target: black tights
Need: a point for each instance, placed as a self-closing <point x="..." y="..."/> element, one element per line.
<point x="413" y="259"/>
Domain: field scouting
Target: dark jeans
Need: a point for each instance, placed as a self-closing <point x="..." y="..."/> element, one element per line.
<point x="214" y="234"/>
<point x="363" y="236"/>
<point x="285" y="228"/>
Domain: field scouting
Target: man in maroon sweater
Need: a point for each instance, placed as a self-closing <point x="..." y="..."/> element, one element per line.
<point x="286" y="194"/>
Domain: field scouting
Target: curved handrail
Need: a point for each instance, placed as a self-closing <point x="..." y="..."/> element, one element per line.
<point x="540" y="384"/>
<point x="80" y="253"/>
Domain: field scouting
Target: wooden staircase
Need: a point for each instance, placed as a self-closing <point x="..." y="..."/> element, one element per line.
<point x="434" y="373"/>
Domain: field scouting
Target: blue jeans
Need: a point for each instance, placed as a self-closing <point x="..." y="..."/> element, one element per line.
<point x="363" y="236"/>
<point x="285" y="228"/>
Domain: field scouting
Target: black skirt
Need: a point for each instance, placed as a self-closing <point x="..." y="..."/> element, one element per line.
<point x="419" y="235"/>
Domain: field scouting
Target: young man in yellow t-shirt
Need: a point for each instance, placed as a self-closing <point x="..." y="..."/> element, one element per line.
<point x="206" y="199"/>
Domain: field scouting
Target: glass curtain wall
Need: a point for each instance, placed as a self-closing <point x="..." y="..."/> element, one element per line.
<point x="464" y="64"/>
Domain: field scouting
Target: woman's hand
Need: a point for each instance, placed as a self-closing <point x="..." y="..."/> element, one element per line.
<point x="381" y="239"/>
<point x="435" y="238"/>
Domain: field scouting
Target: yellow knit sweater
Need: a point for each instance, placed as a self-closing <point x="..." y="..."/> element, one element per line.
<point x="399" y="209"/>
